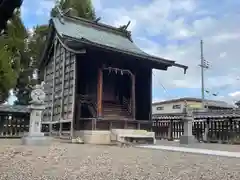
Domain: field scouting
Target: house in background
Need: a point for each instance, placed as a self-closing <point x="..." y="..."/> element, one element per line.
<point x="175" y="106"/>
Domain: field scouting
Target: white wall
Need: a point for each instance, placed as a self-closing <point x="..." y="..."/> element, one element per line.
<point x="168" y="108"/>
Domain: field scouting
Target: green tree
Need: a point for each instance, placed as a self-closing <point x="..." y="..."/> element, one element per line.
<point x="83" y="8"/>
<point x="27" y="77"/>
<point x="12" y="46"/>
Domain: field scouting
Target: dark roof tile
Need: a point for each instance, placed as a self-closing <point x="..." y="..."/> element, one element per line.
<point x="100" y="34"/>
<point x="14" y="109"/>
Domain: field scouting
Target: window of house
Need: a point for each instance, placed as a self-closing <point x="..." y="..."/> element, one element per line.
<point x="160" y="108"/>
<point x="176" y="106"/>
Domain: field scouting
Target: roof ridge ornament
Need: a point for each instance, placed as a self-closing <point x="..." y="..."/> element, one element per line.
<point x="97" y="20"/>
<point x="123" y="28"/>
<point x="59" y="15"/>
<point x="62" y="13"/>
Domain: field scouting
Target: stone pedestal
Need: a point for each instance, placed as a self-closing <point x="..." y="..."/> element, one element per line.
<point x="35" y="136"/>
<point x="187" y="137"/>
<point x="205" y="135"/>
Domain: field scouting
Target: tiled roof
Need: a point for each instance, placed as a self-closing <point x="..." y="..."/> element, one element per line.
<point x="210" y="114"/>
<point x="14" y="109"/>
<point x="105" y="36"/>
<point x="95" y="33"/>
<point x="214" y="103"/>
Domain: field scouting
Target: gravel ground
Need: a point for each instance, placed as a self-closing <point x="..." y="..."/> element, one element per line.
<point x="211" y="146"/>
<point x="87" y="162"/>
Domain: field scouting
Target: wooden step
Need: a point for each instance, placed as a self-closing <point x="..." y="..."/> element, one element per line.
<point x="117" y="114"/>
<point x="114" y="110"/>
<point x="113" y="106"/>
<point x="119" y="111"/>
<point x="116" y="118"/>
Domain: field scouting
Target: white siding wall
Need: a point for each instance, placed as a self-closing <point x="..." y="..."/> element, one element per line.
<point x="168" y="108"/>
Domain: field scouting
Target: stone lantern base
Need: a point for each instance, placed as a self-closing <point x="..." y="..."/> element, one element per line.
<point x="187" y="137"/>
<point x="35" y="136"/>
<point x="36" y="139"/>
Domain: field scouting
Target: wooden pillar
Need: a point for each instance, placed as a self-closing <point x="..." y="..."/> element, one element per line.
<point x="99" y="92"/>
<point x="133" y="97"/>
<point x="230" y="135"/>
<point x="73" y="92"/>
<point x="78" y="114"/>
<point x="150" y="86"/>
<point x="53" y="87"/>
<point x="63" y="58"/>
<point x="206" y="131"/>
<point x="170" y="129"/>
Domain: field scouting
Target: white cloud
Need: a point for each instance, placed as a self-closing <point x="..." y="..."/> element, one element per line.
<point x="157" y="100"/>
<point x="31" y="31"/>
<point x="173" y="29"/>
<point x="223" y="54"/>
<point x="37" y="8"/>
<point x="187" y="21"/>
<point x="24" y="10"/>
<point x="225" y="37"/>
<point x="97" y="5"/>
<point x="45" y="7"/>
<point x="123" y="21"/>
<point x="230" y="98"/>
<point x="235" y="94"/>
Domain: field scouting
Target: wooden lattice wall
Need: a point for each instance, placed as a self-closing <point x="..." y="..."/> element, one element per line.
<point x="48" y="78"/>
<point x="60" y="77"/>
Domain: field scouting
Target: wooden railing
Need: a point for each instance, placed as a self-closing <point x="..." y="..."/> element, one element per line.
<point x="86" y="98"/>
<point x="91" y="101"/>
<point x="13" y="125"/>
<point x="108" y="124"/>
<point x="127" y="105"/>
<point x="93" y="109"/>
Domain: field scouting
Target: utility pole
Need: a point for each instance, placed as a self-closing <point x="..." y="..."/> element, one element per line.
<point x="204" y="65"/>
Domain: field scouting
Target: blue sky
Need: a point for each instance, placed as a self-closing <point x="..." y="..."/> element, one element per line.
<point x="173" y="29"/>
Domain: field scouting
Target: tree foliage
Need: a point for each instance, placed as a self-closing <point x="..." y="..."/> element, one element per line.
<point x="27" y="77"/>
<point x="83" y="8"/>
<point x="12" y="47"/>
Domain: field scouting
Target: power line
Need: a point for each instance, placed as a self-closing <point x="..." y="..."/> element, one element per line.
<point x="165" y="90"/>
<point x="211" y="93"/>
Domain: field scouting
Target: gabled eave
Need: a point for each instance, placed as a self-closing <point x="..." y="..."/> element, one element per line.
<point x="67" y="40"/>
<point x="161" y="63"/>
<point x="44" y="57"/>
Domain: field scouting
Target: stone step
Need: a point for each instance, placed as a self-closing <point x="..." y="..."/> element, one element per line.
<point x="132" y="136"/>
